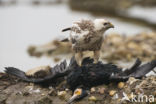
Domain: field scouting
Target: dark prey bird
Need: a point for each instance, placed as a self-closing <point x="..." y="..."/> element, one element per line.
<point x="81" y="78"/>
<point x="90" y="74"/>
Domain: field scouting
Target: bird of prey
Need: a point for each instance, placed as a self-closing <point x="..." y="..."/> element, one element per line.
<point x="87" y="35"/>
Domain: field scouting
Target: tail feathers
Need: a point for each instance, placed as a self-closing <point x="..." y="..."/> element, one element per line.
<point x="66" y="29"/>
<point x="144" y="69"/>
<point x="133" y="68"/>
<point x="16" y="72"/>
<point x="139" y="72"/>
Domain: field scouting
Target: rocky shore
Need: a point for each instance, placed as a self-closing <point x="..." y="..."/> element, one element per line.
<point x="115" y="47"/>
<point x="15" y="91"/>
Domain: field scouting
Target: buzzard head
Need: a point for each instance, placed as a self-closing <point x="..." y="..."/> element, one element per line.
<point x="102" y="24"/>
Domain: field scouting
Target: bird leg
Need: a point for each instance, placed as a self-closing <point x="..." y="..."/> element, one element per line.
<point x="96" y="56"/>
<point x="78" y="58"/>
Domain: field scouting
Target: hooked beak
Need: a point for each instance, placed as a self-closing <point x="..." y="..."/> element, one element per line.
<point x="111" y="25"/>
<point x="72" y="99"/>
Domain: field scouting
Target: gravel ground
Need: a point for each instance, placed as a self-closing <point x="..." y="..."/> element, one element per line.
<point x="15" y="91"/>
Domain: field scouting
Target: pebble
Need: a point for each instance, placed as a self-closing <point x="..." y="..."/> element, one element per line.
<point x="67" y="89"/>
<point x="131" y="80"/>
<point x="61" y="93"/>
<point x="19" y="93"/>
<point x="92" y="98"/>
<point x="52" y="92"/>
<point x="50" y="87"/>
<point x="37" y="91"/>
<point x="112" y="92"/>
<point x="31" y="84"/>
<point x="56" y="59"/>
<point x="154" y="93"/>
<point x="121" y="85"/>
<point x="92" y="90"/>
<point x="26" y="93"/>
<point x="101" y="90"/>
<point x="116" y="96"/>
<point x="42" y="94"/>
<point x="28" y="87"/>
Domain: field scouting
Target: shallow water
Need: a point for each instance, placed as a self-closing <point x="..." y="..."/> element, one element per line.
<point x="22" y="25"/>
<point x="148" y="14"/>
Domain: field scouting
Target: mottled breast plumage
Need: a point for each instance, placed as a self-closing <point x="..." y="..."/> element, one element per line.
<point x="84" y="37"/>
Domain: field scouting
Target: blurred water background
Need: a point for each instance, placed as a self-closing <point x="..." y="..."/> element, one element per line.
<point x="26" y="22"/>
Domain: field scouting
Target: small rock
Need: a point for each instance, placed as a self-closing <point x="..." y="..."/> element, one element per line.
<point x="92" y="90"/>
<point x="31" y="84"/>
<point x="101" y="90"/>
<point x="61" y="93"/>
<point x="56" y="59"/>
<point x="112" y="92"/>
<point x="116" y="96"/>
<point x="92" y="98"/>
<point x="37" y="91"/>
<point x="154" y="93"/>
<point x="67" y="89"/>
<point x="26" y="93"/>
<point x="42" y="94"/>
<point x="45" y="100"/>
<point x="52" y="92"/>
<point x="131" y="80"/>
<point x="121" y="85"/>
<point x="19" y="93"/>
<point x="50" y="87"/>
<point x="29" y="89"/>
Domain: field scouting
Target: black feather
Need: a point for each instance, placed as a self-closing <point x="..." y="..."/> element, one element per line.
<point x="144" y="69"/>
<point x="66" y="29"/>
<point x="133" y="68"/>
<point x="56" y="72"/>
<point x="16" y="72"/>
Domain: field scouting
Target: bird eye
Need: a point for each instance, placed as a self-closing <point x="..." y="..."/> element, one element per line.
<point x="105" y="23"/>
